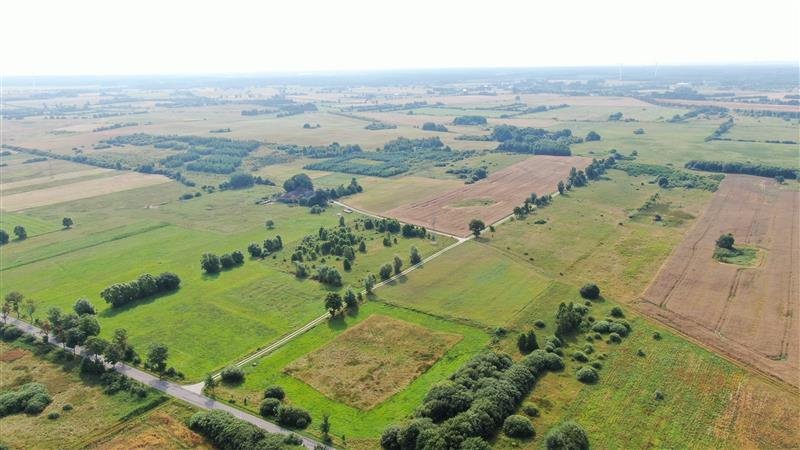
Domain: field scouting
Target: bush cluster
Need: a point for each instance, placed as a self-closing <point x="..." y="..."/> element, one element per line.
<point x="30" y="398"/>
<point x="473" y="404"/>
<point x="227" y="432"/>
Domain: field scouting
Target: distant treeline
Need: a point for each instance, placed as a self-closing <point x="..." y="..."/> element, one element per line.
<point x="430" y="126"/>
<point x="380" y="126"/>
<point x="535" y="141"/>
<point x="742" y="168"/>
<point x="469" y="120"/>
<point x="396" y="157"/>
<point x="116" y="125"/>
<point x="722" y="129"/>
<point x="334" y="150"/>
<point x="383" y="107"/>
<point x="201" y="154"/>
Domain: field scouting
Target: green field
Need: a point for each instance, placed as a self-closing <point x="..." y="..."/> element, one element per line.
<point x="354" y="423"/>
<point x="211" y="320"/>
<point x="472" y="283"/>
<point x="589" y="235"/>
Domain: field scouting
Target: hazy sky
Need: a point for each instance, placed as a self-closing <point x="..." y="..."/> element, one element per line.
<point x="69" y="37"/>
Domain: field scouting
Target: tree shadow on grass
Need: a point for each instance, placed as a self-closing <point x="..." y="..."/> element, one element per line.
<point x="352" y="311"/>
<point x="337" y="323"/>
<point x="113" y="311"/>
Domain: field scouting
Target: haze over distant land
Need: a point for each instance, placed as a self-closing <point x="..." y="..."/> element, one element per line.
<point x="86" y="38"/>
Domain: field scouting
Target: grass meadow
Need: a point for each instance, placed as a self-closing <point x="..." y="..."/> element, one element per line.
<point x="356" y="424"/>
<point x="211" y="320"/>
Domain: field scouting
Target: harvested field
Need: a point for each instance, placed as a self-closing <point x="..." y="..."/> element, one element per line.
<point x="372" y="361"/>
<point x="79" y="190"/>
<point x="744" y="312"/>
<point x="507" y="188"/>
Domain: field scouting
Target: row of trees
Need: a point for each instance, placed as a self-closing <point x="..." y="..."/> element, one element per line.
<point x="531" y="202"/>
<point x="211" y="263"/>
<point x="21" y="233"/>
<point x="743" y="168"/>
<point x="145" y="286"/>
<point x="473" y="404"/>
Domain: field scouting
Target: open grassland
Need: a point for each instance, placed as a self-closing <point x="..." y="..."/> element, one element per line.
<point x="372" y="361"/>
<point x="34" y="226"/>
<point x="673" y="144"/>
<point x="472" y="283"/>
<point x="589" y="235"/>
<point x="356" y="424"/>
<point x="162" y="428"/>
<point x="508" y="187"/>
<point x="708" y="401"/>
<point x="392" y="192"/>
<point x="764" y="129"/>
<point x="93" y="411"/>
<point x="744" y="312"/>
<point x="211" y="320"/>
<point x="17" y="171"/>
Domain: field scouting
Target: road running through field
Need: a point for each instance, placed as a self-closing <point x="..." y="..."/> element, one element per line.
<point x="176" y="390"/>
<point x="198" y="387"/>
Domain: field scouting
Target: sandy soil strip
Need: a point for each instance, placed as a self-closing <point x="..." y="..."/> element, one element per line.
<point x="56" y="177"/>
<point x="79" y="190"/>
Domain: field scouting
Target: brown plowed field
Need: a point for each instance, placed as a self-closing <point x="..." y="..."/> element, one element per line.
<point x="750" y="314"/>
<point x="451" y="211"/>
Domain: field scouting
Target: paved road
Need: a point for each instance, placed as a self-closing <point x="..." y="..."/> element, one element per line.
<point x="176" y="390"/>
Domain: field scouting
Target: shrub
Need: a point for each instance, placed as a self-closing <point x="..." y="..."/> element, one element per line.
<point x="601" y="326"/>
<point x="269" y="407"/>
<point x="580" y="357"/>
<point x="590" y="291"/>
<point x="657" y="336"/>
<point x="587" y="374"/>
<point x="232" y="374"/>
<point x="659" y="395"/>
<point x="475" y="443"/>
<point x="274" y="391"/>
<point x="640" y="352"/>
<point x="618" y="328"/>
<point x="292" y="416"/>
<point x="31" y="398"/>
<point x="615" y="338"/>
<point x="539" y="324"/>
<point x="518" y="426"/>
<point x="597" y="365"/>
<point x="567" y="436"/>
<point x="385" y="271"/>
<point x="53" y="415"/>
<point x="67" y="407"/>
<point x="226" y="260"/>
<point x="588" y="349"/>
<point x="530" y="409"/>
<point x="617" y="312"/>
